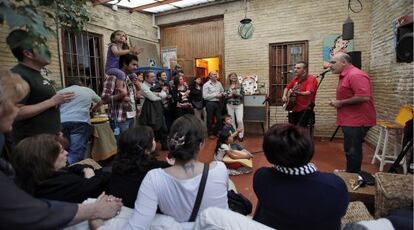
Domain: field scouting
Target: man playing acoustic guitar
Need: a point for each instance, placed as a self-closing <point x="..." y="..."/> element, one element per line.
<point x="299" y="97"/>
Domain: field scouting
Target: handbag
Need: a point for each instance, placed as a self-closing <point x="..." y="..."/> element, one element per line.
<point x="200" y="193"/>
<point x="239" y="203"/>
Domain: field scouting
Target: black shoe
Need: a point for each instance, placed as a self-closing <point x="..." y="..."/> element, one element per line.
<point x="241" y="139"/>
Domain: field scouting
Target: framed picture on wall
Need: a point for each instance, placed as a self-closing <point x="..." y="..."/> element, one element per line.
<point x="169" y="57"/>
<point x="333" y="44"/>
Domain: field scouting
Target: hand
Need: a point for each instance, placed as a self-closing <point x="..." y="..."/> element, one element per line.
<point x="284" y="99"/>
<point x="107" y="206"/>
<point x="335" y="103"/>
<point x="137" y="50"/>
<point x="239" y="130"/>
<point x="219" y="95"/>
<point x="88" y="173"/>
<point x="123" y="90"/>
<point x="126" y="99"/>
<point x="62" y="98"/>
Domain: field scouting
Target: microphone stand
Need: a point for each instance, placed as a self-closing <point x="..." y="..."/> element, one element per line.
<point x="322" y="75"/>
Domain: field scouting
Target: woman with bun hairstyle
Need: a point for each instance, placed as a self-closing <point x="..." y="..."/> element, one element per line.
<point x="174" y="189"/>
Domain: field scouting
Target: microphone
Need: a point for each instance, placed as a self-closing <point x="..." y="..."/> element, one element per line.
<point x="324" y="72"/>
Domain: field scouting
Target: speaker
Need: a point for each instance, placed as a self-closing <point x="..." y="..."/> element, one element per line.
<point x="404" y="46"/>
<point x="348" y="29"/>
<point x="355" y="58"/>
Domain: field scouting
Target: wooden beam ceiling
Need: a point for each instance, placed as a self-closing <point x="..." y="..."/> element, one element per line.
<point x="97" y="2"/>
<point x="159" y="3"/>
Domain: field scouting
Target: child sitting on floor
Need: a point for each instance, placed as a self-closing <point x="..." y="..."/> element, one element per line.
<point x="228" y="128"/>
<point x="237" y="161"/>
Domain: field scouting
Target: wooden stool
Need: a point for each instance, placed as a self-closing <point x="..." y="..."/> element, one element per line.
<point x="397" y="126"/>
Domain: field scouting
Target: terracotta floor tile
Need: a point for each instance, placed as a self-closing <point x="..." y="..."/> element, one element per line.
<point x="328" y="156"/>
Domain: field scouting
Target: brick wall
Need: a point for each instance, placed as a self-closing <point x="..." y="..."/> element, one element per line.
<point x="103" y="21"/>
<point x="282" y="21"/>
<point x="392" y="81"/>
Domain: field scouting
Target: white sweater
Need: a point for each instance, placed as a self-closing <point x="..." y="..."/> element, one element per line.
<point x="176" y="197"/>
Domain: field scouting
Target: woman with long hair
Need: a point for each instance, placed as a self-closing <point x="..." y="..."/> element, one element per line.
<point x="234" y="103"/>
<point x="136" y="156"/>
<point x="197" y="101"/>
<point x="40" y="165"/>
<point x="174" y="189"/>
<point x="181" y="96"/>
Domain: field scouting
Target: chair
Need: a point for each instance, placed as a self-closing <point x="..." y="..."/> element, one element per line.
<point x="397" y="126"/>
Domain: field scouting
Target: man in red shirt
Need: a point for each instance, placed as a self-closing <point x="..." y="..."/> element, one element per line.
<point x="304" y="86"/>
<point x="355" y="108"/>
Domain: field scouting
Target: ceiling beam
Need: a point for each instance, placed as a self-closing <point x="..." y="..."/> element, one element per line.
<point x="155" y="4"/>
<point x="97" y="2"/>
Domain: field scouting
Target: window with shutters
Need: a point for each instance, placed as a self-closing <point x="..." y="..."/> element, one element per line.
<point x="82" y="57"/>
<point x="282" y="59"/>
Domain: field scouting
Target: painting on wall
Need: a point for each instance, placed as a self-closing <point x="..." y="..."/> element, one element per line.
<point x="169" y="57"/>
<point x="333" y="44"/>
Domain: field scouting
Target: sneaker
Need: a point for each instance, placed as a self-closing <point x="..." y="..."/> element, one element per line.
<point x="233" y="172"/>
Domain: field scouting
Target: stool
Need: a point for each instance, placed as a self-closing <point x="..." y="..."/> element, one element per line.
<point x="392" y="191"/>
<point x="385" y="127"/>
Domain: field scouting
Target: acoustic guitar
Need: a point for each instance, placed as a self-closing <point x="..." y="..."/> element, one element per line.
<point x="291" y="98"/>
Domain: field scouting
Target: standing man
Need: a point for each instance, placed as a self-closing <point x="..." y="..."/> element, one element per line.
<point x="212" y="93"/>
<point x="355" y="108"/>
<point x="75" y="118"/>
<point x="40" y="110"/>
<point x="121" y="101"/>
<point x="152" y="113"/>
<point x="304" y="87"/>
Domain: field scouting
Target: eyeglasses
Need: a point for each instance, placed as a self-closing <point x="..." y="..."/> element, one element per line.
<point x="333" y="62"/>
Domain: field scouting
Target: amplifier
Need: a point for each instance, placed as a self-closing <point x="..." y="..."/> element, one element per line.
<point x="254" y="109"/>
<point x="254" y="100"/>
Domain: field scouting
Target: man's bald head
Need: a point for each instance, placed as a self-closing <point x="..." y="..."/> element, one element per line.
<point x="339" y="61"/>
<point x="344" y="57"/>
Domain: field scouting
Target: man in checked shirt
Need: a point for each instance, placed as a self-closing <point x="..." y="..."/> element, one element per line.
<point x="121" y="101"/>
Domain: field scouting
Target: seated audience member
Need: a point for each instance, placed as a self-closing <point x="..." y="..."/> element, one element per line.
<point x="40" y="163"/>
<point x="229" y="128"/>
<point x="75" y="118"/>
<point x="174" y="189"/>
<point x="135" y="158"/>
<point x="19" y="210"/>
<point x="238" y="161"/>
<point x="293" y="194"/>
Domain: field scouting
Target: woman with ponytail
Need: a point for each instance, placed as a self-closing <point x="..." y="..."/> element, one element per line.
<point x="174" y="189"/>
<point x="136" y="156"/>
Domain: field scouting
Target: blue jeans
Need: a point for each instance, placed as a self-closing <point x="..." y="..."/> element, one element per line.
<point x="353" y="139"/>
<point x="123" y="126"/>
<point x="78" y="134"/>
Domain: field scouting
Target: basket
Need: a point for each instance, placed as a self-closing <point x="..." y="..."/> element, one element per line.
<point x="392" y="191"/>
<point x="356" y="212"/>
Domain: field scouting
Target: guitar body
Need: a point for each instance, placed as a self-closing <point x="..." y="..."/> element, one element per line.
<point x="291" y="102"/>
<point x="291" y="98"/>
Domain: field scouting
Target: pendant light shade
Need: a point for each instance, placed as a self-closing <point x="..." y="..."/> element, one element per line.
<point x="348" y="29"/>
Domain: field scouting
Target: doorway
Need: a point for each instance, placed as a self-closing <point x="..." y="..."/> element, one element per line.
<point x="203" y="66"/>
